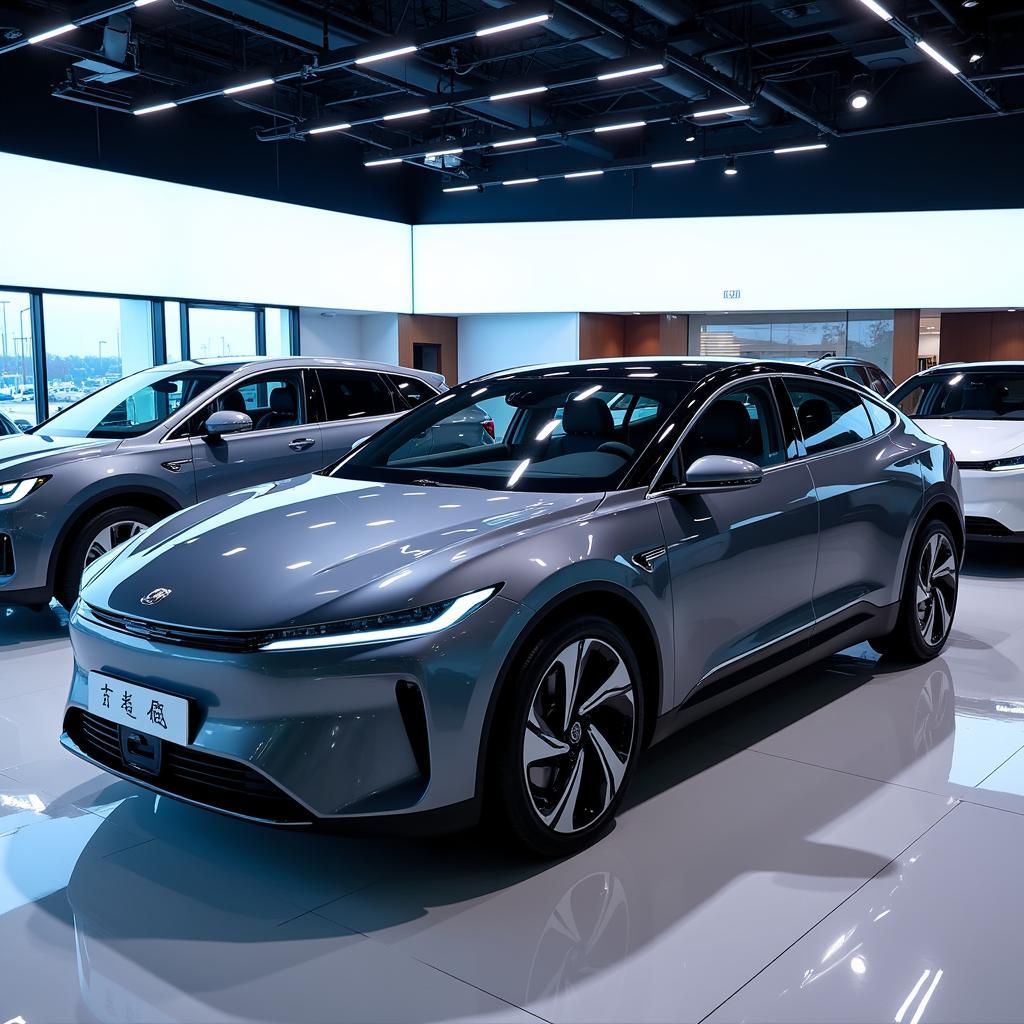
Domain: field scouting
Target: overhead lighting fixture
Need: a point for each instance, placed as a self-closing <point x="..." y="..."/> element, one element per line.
<point x="532" y="91"/>
<point x="418" y="112"/>
<point x="154" y="108"/>
<point x="583" y="174"/>
<point x="514" y="142"/>
<point x="443" y="152"/>
<point x="802" y="149"/>
<point x="383" y="162"/>
<point x="520" y="181"/>
<point x="508" y="26"/>
<point x="859" y="99"/>
<point x="691" y="138"/>
<point x="975" y="57"/>
<point x="59" y="31"/>
<point x="144" y="3"/>
<point x="329" y="128"/>
<point x="878" y="9"/>
<point x="261" y="84"/>
<point x="400" y="51"/>
<point x="672" y="163"/>
<point x="736" y="109"/>
<point x="461" y="188"/>
<point x="730" y="166"/>
<point x="645" y="70"/>
<point x="969" y="4"/>
<point x="937" y="57"/>
<point x="620" y="127"/>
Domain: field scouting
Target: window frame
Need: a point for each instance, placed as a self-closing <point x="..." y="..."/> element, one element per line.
<point x="391" y="379"/>
<point x="856" y="391"/>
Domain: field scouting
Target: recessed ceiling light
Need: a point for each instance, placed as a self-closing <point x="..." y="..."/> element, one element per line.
<point x="509" y="25"/>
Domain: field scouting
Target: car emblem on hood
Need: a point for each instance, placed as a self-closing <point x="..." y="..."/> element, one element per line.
<point x="155" y="596"/>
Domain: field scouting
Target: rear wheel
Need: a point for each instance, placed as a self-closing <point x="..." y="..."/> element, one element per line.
<point x="93" y="539"/>
<point x="570" y="744"/>
<point x="928" y="603"/>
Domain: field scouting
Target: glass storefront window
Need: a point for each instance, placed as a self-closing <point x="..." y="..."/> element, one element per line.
<point x="17" y="373"/>
<point x="91" y="342"/>
<point x="221" y="332"/>
<point x="279" y="332"/>
<point x="869" y="336"/>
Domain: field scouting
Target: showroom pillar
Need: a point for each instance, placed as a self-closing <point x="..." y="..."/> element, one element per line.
<point x="906" y="333"/>
<point x="429" y="343"/>
<point x="966" y="337"/>
<point x="606" y="335"/>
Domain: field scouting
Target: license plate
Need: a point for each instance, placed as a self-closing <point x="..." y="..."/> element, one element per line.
<point x="138" y="707"/>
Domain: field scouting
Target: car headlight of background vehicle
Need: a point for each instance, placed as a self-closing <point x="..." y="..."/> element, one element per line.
<point x="1003" y="465"/>
<point x="15" y="490"/>
<point x="377" y="629"/>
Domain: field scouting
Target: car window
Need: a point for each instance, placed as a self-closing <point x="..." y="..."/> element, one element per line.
<point x="964" y="394"/>
<point x="271" y="401"/>
<point x="412" y="390"/>
<point x="881" y="418"/>
<point x="351" y="394"/>
<point x="742" y="424"/>
<point x="879" y="381"/>
<point x="829" y="417"/>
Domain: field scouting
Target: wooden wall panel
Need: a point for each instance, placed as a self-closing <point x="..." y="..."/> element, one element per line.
<point x="905" y="338"/>
<point x="1007" y="336"/>
<point x="602" y="336"/>
<point x="964" y="337"/>
<point x="642" y="335"/>
<point x="433" y="330"/>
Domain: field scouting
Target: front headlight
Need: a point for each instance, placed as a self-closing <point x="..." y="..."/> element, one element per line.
<point x="1002" y="465"/>
<point x="378" y="629"/>
<point x="14" y="490"/>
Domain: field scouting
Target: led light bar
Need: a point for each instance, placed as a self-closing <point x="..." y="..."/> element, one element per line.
<point x="443" y="152"/>
<point x="620" y="127"/>
<point x="532" y="91"/>
<point x="937" y="57"/>
<point x="736" y="109"/>
<point x="401" y="51"/>
<point x="509" y="25"/>
<point x="673" y="163"/>
<point x="383" y="162"/>
<point x="583" y="174"/>
<point x="461" y="188"/>
<point x="514" y="142"/>
<point x="520" y="181"/>
<point x="418" y="112"/>
<point x="154" y="108"/>
<point x="144" y="3"/>
<point x="59" y="31"/>
<point x="261" y="84"/>
<point x="876" y="8"/>
<point x="645" y="70"/>
<point x="329" y="128"/>
<point x="802" y="149"/>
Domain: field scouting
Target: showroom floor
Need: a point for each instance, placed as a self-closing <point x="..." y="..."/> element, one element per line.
<point x="846" y="846"/>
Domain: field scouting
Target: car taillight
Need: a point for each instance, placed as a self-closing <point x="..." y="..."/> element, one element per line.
<point x="489" y="426"/>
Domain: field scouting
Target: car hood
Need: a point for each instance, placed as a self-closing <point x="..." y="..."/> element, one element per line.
<point x="316" y="549"/>
<point x="31" y="452"/>
<point x="977" y="440"/>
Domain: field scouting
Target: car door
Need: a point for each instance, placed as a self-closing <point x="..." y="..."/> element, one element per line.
<point x="283" y="442"/>
<point x="867" y="486"/>
<point x="355" y="403"/>
<point x="742" y="561"/>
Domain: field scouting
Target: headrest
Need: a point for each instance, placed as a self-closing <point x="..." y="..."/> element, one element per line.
<point x="233" y="401"/>
<point x="282" y="401"/>
<point x="726" y="425"/>
<point x="591" y="416"/>
<point x="814" y="415"/>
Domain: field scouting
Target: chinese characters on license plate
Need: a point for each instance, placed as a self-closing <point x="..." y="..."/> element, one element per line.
<point x="148" y="711"/>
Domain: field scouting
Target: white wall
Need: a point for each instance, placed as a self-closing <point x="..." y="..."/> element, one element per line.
<point x="81" y="229"/>
<point x="496" y="342"/>
<point x="830" y="261"/>
<point x="356" y="335"/>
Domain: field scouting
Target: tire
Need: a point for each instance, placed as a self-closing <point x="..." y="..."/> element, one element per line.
<point x="928" y="601"/>
<point x="92" y="539"/>
<point x="554" y="805"/>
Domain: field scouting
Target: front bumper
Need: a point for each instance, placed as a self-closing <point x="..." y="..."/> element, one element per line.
<point x="993" y="503"/>
<point x="293" y="737"/>
<point x="26" y="538"/>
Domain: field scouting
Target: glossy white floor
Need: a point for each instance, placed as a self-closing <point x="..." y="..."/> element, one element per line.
<point x="845" y="847"/>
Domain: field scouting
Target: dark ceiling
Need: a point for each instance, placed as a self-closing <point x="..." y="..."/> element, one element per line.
<point x="322" y="98"/>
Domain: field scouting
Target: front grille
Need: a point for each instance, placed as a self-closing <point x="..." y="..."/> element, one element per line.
<point x="190" y="773"/>
<point x="210" y="640"/>
<point x="980" y="526"/>
<point x="6" y="555"/>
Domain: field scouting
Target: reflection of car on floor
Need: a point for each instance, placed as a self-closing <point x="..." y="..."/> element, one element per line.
<point x="978" y="410"/>
<point x="502" y="628"/>
<point x="159" y="440"/>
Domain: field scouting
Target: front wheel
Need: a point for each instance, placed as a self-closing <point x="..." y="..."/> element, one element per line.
<point x="570" y="744"/>
<point x="928" y="603"/>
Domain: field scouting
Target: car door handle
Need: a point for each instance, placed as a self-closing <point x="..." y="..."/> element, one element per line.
<point x="301" y="444"/>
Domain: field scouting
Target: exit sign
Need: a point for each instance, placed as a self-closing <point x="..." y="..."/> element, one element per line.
<point x="731" y="293"/>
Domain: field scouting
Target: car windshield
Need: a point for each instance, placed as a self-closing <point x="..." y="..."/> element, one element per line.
<point x="964" y="395"/>
<point x="135" y="405"/>
<point x="566" y="434"/>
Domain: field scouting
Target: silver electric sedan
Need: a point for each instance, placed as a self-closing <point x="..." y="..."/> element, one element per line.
<point x="425" y="634"/>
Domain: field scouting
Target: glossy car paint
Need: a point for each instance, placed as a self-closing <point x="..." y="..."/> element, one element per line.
<point x="728" y="589"/>
<point x="157" y="469"/>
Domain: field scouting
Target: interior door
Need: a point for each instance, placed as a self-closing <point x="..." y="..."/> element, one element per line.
<point x="356" y="403"/>
<point x="742" y="561"/>
<point x="283" y="442"/>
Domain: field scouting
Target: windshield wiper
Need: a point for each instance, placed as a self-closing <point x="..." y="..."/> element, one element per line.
<point x="427" y="482"/>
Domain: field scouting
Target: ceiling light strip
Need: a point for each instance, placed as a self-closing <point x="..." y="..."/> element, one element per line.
<point x="260" y="83"/>
<point x="647" y="69"/>
<point x="400" y="51"/>
<point x="721" y="111"/>
<point x="508" y="26"/>
<point x="801" y="149"/>
<point x="673" y="163"/>
<point x="583" y="174"/>
<point x="139" y="111"/>
<point x="532" y="90"/>
<point x="876" y="8"/>
<point x="623" y="126"/>
<point x="323" y="129"/>
<point x="937" y="57"/>
<point x="52" y="33"/>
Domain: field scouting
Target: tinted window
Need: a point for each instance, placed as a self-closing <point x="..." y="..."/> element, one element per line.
<point x="881" y="418"/>
<point x="882" y="384"/>
<point x="412" y="389"/>
<point x="829" y="417"/>
<point x="967" y="394"/>
<point x="350" y="394"/>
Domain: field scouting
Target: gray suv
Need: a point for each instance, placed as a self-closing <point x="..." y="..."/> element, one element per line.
<point x="162" y="439"/>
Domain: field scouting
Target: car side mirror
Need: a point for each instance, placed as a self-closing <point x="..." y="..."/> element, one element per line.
<point x="226" y="422"/>
<point x="721" y="473"/>
<point x="356" y="444"/>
